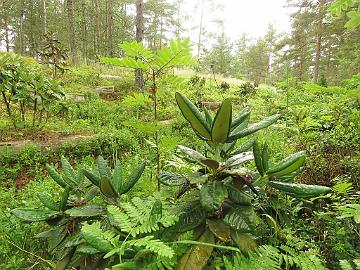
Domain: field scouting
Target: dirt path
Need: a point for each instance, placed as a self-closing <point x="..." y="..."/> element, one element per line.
<point x="50" y="141"/>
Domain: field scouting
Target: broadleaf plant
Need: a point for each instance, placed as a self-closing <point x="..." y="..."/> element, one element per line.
<point x="66" y="214"/>
<point x="222" y="189"/>
<point x="155" y="65"/>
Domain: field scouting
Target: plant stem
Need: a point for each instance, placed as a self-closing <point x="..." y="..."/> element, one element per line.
<point x="206" y="244"/>
<point x="32" y="254"/>
<point x="8" y="109"/>
<point x="154" y="92"/>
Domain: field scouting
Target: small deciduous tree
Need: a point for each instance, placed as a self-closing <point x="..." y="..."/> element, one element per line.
<point x="154" y="65"/>
<point x="26" y="91"/>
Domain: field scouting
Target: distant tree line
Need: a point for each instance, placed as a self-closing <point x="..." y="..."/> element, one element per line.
<point x="87" y="28"/>
<point x="318" y="47"/>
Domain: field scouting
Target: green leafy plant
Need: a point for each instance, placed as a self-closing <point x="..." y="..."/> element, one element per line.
<point x="26" y="91"/>
<point x="223" y="188"/>
<point x="270" y="258"/>
<point x="76" y="205"/>
<point x="346" y="265"/>
<point x="112" y="184"/>
<point x="154" y="65"/>
<point x="247" y="88"/>
<point x="339" y="6"/>
<point x="52" y="54"/>
<point x="135" y="237"/>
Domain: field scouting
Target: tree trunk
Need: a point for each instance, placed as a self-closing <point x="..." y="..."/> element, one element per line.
<point x="161" y="31"/>
<point x="97" y="28"/>
<point x="84" y="30"/>
<point x="329" y="55"/>
<point x="21" y="29"/>
<point x="31" y="35"/>
<point x="200" y="29"/>
<point x="109" y="24"/>
<point x="43" y="17"/>
<point x="6" y="29"/>
<point x="139" y="76"/>
<point x="73" y="47"/>
<point x="321" y="4"/>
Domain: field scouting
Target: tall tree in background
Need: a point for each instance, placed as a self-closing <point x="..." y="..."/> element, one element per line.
<point x="43" y="17"/>
<point x="160" y="22"/>
<point x="4" y="7"/>
<point x="97" y="28"/>
<point x="71" y="20"/>
<point x="109" y="26"/>
<point x="139" y="76"/>
<point x="200" y="28"/>
<point x="319" y="34"/>
<point x="271" y="40"/>
<point x="84" y="29"/>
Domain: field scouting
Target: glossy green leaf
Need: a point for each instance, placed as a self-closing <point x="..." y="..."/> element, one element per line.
<point x="243" y="116"/>
<point x="300" y="190"/>
<point x="258" y="158"/>
<point x="198" y="255"/>
<point x="212" y="195"/>
<point x="86" y="211"/>
<point x="133" y="178"/>
<point x="265" y="157"/>
<point x="103" y="167"/>
<point x="241" y="219"/>
<point x="222" y="123"/>
<point x="193" y="115"/>
<point x="55" y="176"/>
<point x="291" y="176"/>
<point x="171" y="179"/>
<point x="209" y="119"/>
<point x="191" y="217"/>
<point x="238" y="196"/>
<point x="194" y="155"/>
<point x="211" y="163"/>
<point x="219" y="229"/>
<point x="94" y="179"/>
<point x="54" y="237"/>
<point x="117" y="177"/>
<point x="48" y="201"/>
<point x="64" y="198"/>
<point x="288" y="165"/>
<point x="244" y="241"/>
<point x="91" y="193"/>
<point x="238" y="159"/>
<point x="253" y="128"/>
<point x="106" y="187"/>
<point x="35" y="215"/>
<point x="69" y="173"/>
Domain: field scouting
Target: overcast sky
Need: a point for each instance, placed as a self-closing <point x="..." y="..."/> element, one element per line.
<point x="242" y="16"/>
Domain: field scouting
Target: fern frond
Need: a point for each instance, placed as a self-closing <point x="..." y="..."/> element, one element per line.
<point x="138" y="216"/>
<point x="136" y="210"/>
<point x="345" y="265"/>
<point x="98" y="239"/>
<point x="119" y="218"/>
<point x="154" y="245"/>
<point x="264" y="258"/>
<point x="178" y="53"/>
